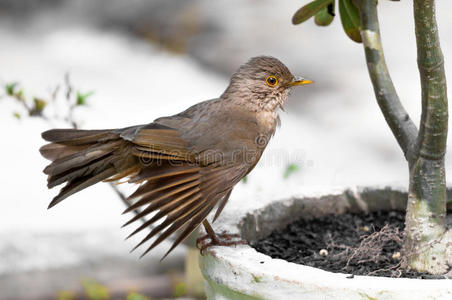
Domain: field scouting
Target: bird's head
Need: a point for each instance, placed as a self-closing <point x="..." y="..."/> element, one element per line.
<point x="263" y="83"/>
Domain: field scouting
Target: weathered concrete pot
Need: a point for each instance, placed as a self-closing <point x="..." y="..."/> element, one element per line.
<point x="243" y="273"/>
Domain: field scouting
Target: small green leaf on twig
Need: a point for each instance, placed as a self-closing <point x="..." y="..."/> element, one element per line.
<point x="10" y="88"/>
<point x="292" y="168"/>
<point x="40" y="104"/>
<point x="81" y="98"/>
<point x="94" y="290"/>
<point x="245" y="180"/>
<point x="325" y="16"/>
<point x="12" y="91"/>
<point x="38" y="107"/>
<point x="309" y="10"/>
<point x="17" y="115"/>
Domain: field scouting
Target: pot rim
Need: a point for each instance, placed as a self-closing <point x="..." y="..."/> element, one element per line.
<point x="244" y="270"/>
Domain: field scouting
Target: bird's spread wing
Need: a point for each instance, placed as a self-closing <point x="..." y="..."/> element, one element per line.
<point x="174" y="183"/>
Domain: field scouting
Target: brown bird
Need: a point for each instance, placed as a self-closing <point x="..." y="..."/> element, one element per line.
<point x="185" y="164"/>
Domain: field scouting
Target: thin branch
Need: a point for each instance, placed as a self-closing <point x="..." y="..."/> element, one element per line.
<point x="70" y="119"/>
<point x="434" y="120"/>
<point x="123" y="198"/>
<point x="395" y="114"/>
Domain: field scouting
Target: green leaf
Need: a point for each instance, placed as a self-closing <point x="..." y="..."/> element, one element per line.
<point x="81" y="98"/>
<point x="245" y="180"/>
<point x="10" y="88"/>
<point x="40" y="104"/>
<point x="353" y="13"/>
<point x="38" y="107"/>
<point x="325" y="16"/>
<point x="136" y="296"/>
<point x="17" y="115"/>
<point x="66" y="295"/>
<point x="348" y="22"/>
<point x="94" y="290"/>
<point x="309" y="10"/>
<point x="292" y="168"/>
<point x="179" y="289"/>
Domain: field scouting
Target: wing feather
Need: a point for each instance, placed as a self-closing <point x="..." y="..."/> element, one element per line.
<point x="190" y="208"/>
<point x="157" y="204"/>
<point x="177" y="224"/>
<point x="176" y="183"/>
<point x="195" y="221"/>
<point x="171" y="192"/>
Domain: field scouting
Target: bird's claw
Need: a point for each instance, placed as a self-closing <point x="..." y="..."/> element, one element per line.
<point x="223" y="239"/>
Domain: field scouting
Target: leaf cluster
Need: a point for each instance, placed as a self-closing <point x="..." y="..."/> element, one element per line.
<point x="37" y="106"/>
<point x="323" y="12"/>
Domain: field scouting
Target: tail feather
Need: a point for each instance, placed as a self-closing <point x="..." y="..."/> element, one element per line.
<point x="55" y="151"/>
<point x="79" y="137"/>
<point x="129" y="172"/>
<point x="93" y="167"/>
<point x="79" y="184"/>
<point x="82" y="158"/>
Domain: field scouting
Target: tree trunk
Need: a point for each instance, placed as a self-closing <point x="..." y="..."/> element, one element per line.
<point x="427" y="238"/>
<point x="428" y="243"/>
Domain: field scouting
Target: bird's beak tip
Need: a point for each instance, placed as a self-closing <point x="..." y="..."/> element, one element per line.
<point x="300" y="81"/>
<point x="307" y="81"/>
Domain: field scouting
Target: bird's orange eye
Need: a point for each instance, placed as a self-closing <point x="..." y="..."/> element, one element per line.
<point x="271" y="80"/>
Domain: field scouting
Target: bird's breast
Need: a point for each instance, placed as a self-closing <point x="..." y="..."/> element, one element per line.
<point x="267" y="122"/>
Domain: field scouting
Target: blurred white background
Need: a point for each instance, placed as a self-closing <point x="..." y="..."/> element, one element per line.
<point x="146" y="59"/>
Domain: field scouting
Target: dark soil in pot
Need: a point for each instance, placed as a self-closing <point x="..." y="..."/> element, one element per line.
<point x="358" y="244"/>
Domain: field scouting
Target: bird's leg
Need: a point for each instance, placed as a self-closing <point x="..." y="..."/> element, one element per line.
<point x="224" y="239"/>
<point x="210" y="232"/>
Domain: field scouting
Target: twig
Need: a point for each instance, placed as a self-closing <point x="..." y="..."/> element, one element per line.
<point x="396" y="267"/>
<point x="371" y="246"/>
<point x="123" y="198"/>
<point x="68" y="93"/>
<point x="70" y="119"/>
<point x="395" y="114"/>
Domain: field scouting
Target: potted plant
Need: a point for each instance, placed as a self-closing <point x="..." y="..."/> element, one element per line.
<point x="426" y="244"/>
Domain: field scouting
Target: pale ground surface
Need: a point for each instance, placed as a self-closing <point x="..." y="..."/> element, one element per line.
<point x="54" y="249"/>
<point x="332" y="129"/>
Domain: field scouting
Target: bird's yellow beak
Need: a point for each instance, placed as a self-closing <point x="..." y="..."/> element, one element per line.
<point x="299" y="81"/>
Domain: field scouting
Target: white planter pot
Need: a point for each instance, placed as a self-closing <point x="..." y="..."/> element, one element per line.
<point x="243" y="273"/>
